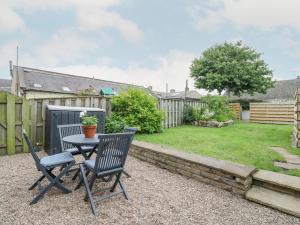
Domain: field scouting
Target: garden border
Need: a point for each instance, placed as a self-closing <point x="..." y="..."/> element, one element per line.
<point x="232" y="177"/>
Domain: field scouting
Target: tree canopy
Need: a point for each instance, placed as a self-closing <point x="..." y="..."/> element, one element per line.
<point x="233" y="67"/>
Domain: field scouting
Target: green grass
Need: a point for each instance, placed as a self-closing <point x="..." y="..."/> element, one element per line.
<point x="245" y="143"/>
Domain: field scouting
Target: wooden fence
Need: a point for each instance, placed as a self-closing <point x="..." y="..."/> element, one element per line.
<point x="15" y="112"/>
<point x="296" y="133"/>
<point x="173" y="110"/>
<point x="275" y="113"/>
<point x="236" y="107"/>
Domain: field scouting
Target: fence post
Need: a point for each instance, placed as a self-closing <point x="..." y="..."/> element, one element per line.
<point x="33" y="106"/>
<point x="11" y="127"/>
<point x="26" y="121"/>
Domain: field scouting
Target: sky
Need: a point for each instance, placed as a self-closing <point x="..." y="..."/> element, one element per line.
<point x="148" y="43"/>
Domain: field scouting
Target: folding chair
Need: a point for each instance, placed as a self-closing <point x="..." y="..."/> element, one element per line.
<point x="46" y="165"/>
<point x="72" y="129"/>
<point x="129" y="130"/>
<point x="110" y="161"/>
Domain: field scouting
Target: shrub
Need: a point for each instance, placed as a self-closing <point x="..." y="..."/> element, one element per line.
<point x="138" y="109"/>
<point x="219" y="105"/>
<point x="189" y="114"/>
<point x="216" y="108"/>
<point x="114" y="124"/>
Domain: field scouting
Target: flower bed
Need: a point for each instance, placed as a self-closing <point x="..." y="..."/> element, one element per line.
<point x="212" y="123"/>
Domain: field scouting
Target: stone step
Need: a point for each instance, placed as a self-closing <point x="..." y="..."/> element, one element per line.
<point x="277" y="181"/>
<point x="277" y="200"/>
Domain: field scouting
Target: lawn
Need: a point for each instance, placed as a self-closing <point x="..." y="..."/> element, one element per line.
<point x="245" y="143"/>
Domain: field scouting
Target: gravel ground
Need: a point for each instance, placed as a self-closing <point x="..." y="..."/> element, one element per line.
<point x="156" y="196"/>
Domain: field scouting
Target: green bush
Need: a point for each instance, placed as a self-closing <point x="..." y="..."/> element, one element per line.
<point x="114" y="124"/>
<point x="216" y="108"/>
<point x="138" y="109"/>
<point x="219" y="106"/>
<point x="189" y="114"/>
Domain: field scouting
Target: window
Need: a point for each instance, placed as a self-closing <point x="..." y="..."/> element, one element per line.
<point x="37" y="85"/>
<point x="66" y="89"/>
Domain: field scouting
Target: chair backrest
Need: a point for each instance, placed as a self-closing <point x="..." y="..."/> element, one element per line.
<point x="112" y="151"/>
<point x="130" y="130"/>
<point x="67" y="130"/>
<point x="32" y="150"/>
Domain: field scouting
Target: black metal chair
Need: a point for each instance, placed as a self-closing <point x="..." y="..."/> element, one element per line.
<point x="129" y="130"/>
<point x="46" y="165"/>
<point x="72" y="129"/>
<point x="109" y="162"/>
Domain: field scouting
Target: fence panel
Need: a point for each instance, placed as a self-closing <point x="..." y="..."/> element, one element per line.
<point x="274" y="113"/>
<point x="296" y="131"/>
<point x="173" y="110"/>
<point x="236" y="107"/>
<point x="14" y="113"/>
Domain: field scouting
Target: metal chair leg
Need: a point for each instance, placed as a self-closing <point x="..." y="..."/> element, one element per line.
<point x="126" y="174"/>
<point x="88" y="190"/>
<point x="53" y="182"/>
<point x="123" y="189"/>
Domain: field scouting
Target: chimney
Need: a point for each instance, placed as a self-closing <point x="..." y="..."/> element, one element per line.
<point x="172" y="90"/>
<point x="10" y="68"/>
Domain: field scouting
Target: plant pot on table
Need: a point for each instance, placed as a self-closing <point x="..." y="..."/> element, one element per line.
<point x="89" y="131"/>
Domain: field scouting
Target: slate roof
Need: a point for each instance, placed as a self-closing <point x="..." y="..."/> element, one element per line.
<point x="193" y="94"/>
<point x="5" y="85"/>
<point x="283" y="90"/>
<point x="48" y="81"/>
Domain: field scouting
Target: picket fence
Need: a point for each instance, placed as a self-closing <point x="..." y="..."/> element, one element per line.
<point x="173" y="110"/>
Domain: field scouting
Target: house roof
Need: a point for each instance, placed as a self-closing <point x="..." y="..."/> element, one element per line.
<point x="282" y="90"/>
<point x="5" y="85"/>
<point x="193" y="94"/>
<point x="49" y="81"/>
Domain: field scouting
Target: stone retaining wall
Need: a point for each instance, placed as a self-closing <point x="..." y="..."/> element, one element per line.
<point x="232" y="177"/>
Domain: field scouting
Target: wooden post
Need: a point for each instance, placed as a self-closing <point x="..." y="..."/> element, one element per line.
<point x="26" y="122"/>
<point x="33" y="106"/>
<point x="11" y="127"/>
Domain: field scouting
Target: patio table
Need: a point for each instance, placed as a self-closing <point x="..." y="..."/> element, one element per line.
<point x="80" y="140"/>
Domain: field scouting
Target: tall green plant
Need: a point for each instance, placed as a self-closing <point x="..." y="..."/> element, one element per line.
<point x="138" y="109"/>
<point x="233" y="67"/>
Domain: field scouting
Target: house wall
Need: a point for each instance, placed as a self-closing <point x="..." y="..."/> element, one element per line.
<point x="42" y="94"/>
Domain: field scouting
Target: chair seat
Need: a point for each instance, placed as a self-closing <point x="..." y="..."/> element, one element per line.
<point x="90" y="164"/>
<point x="57" y="159"/>
<point x="75" y="151"/>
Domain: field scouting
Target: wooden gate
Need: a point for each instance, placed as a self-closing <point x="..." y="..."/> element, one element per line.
<point x="14" y="112"/>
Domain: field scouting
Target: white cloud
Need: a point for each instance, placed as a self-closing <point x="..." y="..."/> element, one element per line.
<point x="172" y="69"/>
<point x="91" y="14"/>
<point x="64" y="46"/>
<point x="9" y="20"/>
<point x="263" y="14"/>
<point x="8" y="52"/>
<point x="93" y="19"/>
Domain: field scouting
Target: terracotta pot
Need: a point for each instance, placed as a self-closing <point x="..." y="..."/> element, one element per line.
<point x="89" y="131"/>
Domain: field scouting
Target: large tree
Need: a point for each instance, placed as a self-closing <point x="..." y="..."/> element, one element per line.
<point x="233" y="67"/>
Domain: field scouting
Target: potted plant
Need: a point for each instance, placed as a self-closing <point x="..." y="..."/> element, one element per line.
<point x="89" y="124"/>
